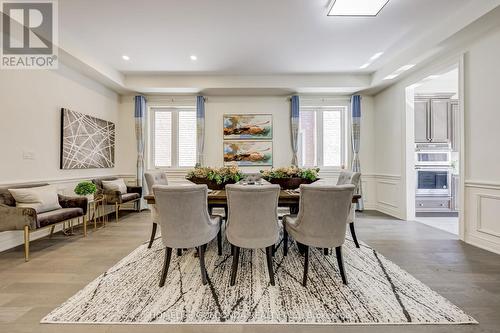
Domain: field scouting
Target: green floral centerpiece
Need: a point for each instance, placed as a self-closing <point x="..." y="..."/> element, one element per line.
<point x="215" y="178"/>
<point x="85" y="188"/>
<point x="291" y="177"/>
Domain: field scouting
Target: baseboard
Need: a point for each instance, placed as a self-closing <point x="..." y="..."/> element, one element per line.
<point x="482" y="243"/>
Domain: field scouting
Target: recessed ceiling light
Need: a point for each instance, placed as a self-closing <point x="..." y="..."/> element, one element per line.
<point x="365" y="65"/>
<point x="125" y="57"/>
<point x="405" y="68"/>
<point x="432" y="77"/>
<point x="391" y="76"/>
<point x="193" y="57"/>
<point x="376" y="56"/>
<point x="356" y="7"/>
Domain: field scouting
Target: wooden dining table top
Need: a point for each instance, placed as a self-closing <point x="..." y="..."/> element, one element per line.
<point x="286" y="197"/>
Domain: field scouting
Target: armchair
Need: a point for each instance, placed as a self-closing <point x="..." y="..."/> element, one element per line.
<point x="321" y="221"/>
<point x="348" y="177"/>
<point x="28" y="220"/>
<point x="134" y="194"/>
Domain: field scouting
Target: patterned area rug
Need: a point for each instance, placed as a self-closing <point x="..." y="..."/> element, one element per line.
<point x="379" y="292"/>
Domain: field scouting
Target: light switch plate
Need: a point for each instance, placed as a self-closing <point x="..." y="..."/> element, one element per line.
<point x="28" y="155"/>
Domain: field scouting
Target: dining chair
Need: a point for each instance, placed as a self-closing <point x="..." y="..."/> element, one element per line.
<point x="321" y="221"/>
<point x="349" y="177"/>
<point x="154" y="178"/>
<point x="252" y="222"/>
<point x="185" y="222"/>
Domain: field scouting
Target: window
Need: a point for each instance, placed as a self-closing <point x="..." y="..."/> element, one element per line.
<point x="173" y="137"/>
<point x="322" y="134"/>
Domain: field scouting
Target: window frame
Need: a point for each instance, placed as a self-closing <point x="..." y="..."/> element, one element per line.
<point x="318" y="137"/>
<point x="174" y="163"/>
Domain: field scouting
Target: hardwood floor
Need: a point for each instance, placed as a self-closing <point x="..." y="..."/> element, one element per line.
<point x="59" y="267"/>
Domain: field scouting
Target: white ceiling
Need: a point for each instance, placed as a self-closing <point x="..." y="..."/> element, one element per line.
<point x="243" y="36"/>
<point x="441" y="83"/>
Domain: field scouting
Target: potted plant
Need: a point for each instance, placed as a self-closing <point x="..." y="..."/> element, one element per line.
<point x="85" y="188"/>
<point x="290" y="178"/>
<point x="215" y="178"/>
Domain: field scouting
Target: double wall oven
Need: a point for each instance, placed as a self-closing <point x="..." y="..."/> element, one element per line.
<point x="433" y="178"/>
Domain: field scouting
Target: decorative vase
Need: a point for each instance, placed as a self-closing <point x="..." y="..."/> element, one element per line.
<point x="290" y="183"/>
<point x="212" y="184"/>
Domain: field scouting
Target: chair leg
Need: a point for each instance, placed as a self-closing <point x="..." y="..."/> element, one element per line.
<point x="269" y="255"/>
<point x="153" y="234"/>
<point x="95" y="216"/>
<point x="52" y="231"/>
<point x="219" y="240"/>
<point x="201" y="255"/>
<point x="306" y="265"/>
<point x="285" y="242"/>
<point x="84" y="226"/>
<point x="26" y="243"/>
<point x="325" y="251"/>
<point x="179" y="252"/>
<point x="353" y="234"/>
<point x="232" y="249"/>
<point x="234" y="268"/>
<point x="340" y="261"/>
<point x="166" y="263"/>
<point x="117" y="207"/>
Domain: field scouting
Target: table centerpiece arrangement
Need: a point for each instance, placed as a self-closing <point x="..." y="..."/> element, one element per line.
<point x="290" y="178"/>
<point x="215" y="178"/>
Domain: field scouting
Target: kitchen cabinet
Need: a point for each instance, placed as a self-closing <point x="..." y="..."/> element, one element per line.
<point x="421" y="114"/>
<point x="433" y="119"/>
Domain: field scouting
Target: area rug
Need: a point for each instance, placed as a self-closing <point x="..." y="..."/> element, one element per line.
<point x="379" y="292"/>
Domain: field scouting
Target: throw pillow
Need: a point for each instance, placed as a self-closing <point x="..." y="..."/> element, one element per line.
<point x="42" y="199"/>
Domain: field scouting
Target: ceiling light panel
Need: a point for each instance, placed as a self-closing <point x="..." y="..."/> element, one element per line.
<point x="356" y="7"/>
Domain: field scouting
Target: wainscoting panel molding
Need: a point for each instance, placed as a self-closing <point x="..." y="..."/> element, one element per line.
<point x="482" y="209"/>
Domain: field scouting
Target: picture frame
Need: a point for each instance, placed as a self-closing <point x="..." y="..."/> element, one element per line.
<point x="248" y="126"/>
<point x="248" y="152"/>
<point x="86" y="142"/>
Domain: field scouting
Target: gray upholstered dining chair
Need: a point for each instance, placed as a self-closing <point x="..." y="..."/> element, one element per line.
<point x="349" y="177"/>
<point x="252" y="221"/>
<point x="185" y="222"/>
<point x="154" y="178"/>
<point x="321" y="221"/>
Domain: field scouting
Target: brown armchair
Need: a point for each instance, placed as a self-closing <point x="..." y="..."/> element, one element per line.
<point x="27" y="219"/>
<point x="134" y="194"/>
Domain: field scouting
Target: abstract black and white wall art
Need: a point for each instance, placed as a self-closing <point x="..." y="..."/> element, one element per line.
<point x="86" y="142"/>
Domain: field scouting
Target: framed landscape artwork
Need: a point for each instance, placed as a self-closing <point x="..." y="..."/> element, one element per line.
<point x="248" y="126"/>
<point x="248" y="153"/>
<point x="86" y="142"/>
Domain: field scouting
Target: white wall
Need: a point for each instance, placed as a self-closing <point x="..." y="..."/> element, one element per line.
<point x="482" y="161"/>
<point x="278" y="107"/>
<point x="217" y="106"/>
<point x="30" y="104"/>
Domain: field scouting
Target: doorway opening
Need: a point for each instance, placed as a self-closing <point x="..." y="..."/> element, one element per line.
<point x="433" y="150"/>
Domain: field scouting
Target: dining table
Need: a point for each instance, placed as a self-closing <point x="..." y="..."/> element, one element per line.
<point x="218" y="198"/>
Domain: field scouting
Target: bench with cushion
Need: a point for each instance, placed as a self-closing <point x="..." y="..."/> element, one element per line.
<point x="117" y="197"/>
<point x="13" y="216"/>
